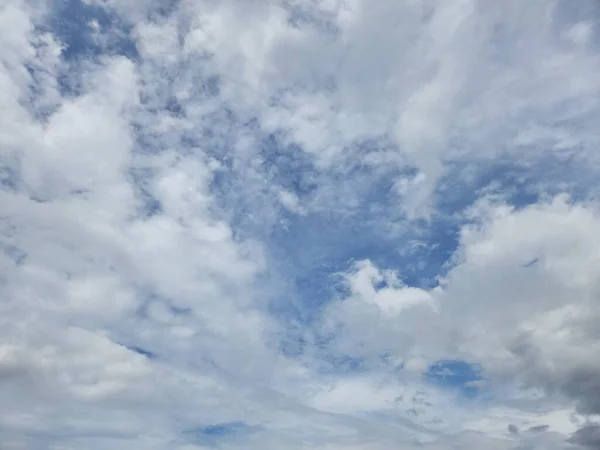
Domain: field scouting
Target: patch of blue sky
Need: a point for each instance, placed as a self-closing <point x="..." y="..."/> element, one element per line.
<point x="142" y="351"/>
<point x="315" y="249"/>
<point x="298" y="338"/>
<point x="214" y="434"/>
<point x="287" y="164"/>
<point x="73" y="22"/>
<point x="457" y="375"/>
<point x="519" y="184"/>
<point x="330" y="363"/>
<point x="87" y="32"/>
<point x="247" y="184"/>
<point x="458" y="190"/>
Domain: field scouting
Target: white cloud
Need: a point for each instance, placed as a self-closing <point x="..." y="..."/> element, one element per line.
<point x="141" y="201"/>
<point x="519" y="301"/>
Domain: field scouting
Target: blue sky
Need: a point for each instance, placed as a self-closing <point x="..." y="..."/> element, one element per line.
<point x="299" y="224"/>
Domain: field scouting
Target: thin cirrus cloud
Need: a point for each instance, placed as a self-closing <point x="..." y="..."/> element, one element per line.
<point x="331" y="224"/>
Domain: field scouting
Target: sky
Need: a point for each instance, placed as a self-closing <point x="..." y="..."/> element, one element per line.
<point x="299" y="224"/>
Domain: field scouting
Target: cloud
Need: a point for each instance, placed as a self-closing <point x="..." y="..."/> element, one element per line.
<point x="528" y="326"/>
<point x="549" y="312"/>
<point x="298" y="224"/>
<point x="587" y="436"/>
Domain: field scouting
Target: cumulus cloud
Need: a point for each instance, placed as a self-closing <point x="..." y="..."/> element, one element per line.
<point x="299" y="224"/>
<point x="520" y="301"/>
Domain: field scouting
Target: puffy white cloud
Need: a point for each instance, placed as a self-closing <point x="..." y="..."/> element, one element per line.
<point x="520" y="300"/>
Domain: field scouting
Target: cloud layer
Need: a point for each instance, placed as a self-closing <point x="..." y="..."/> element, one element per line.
<point x="330" y="224"/>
